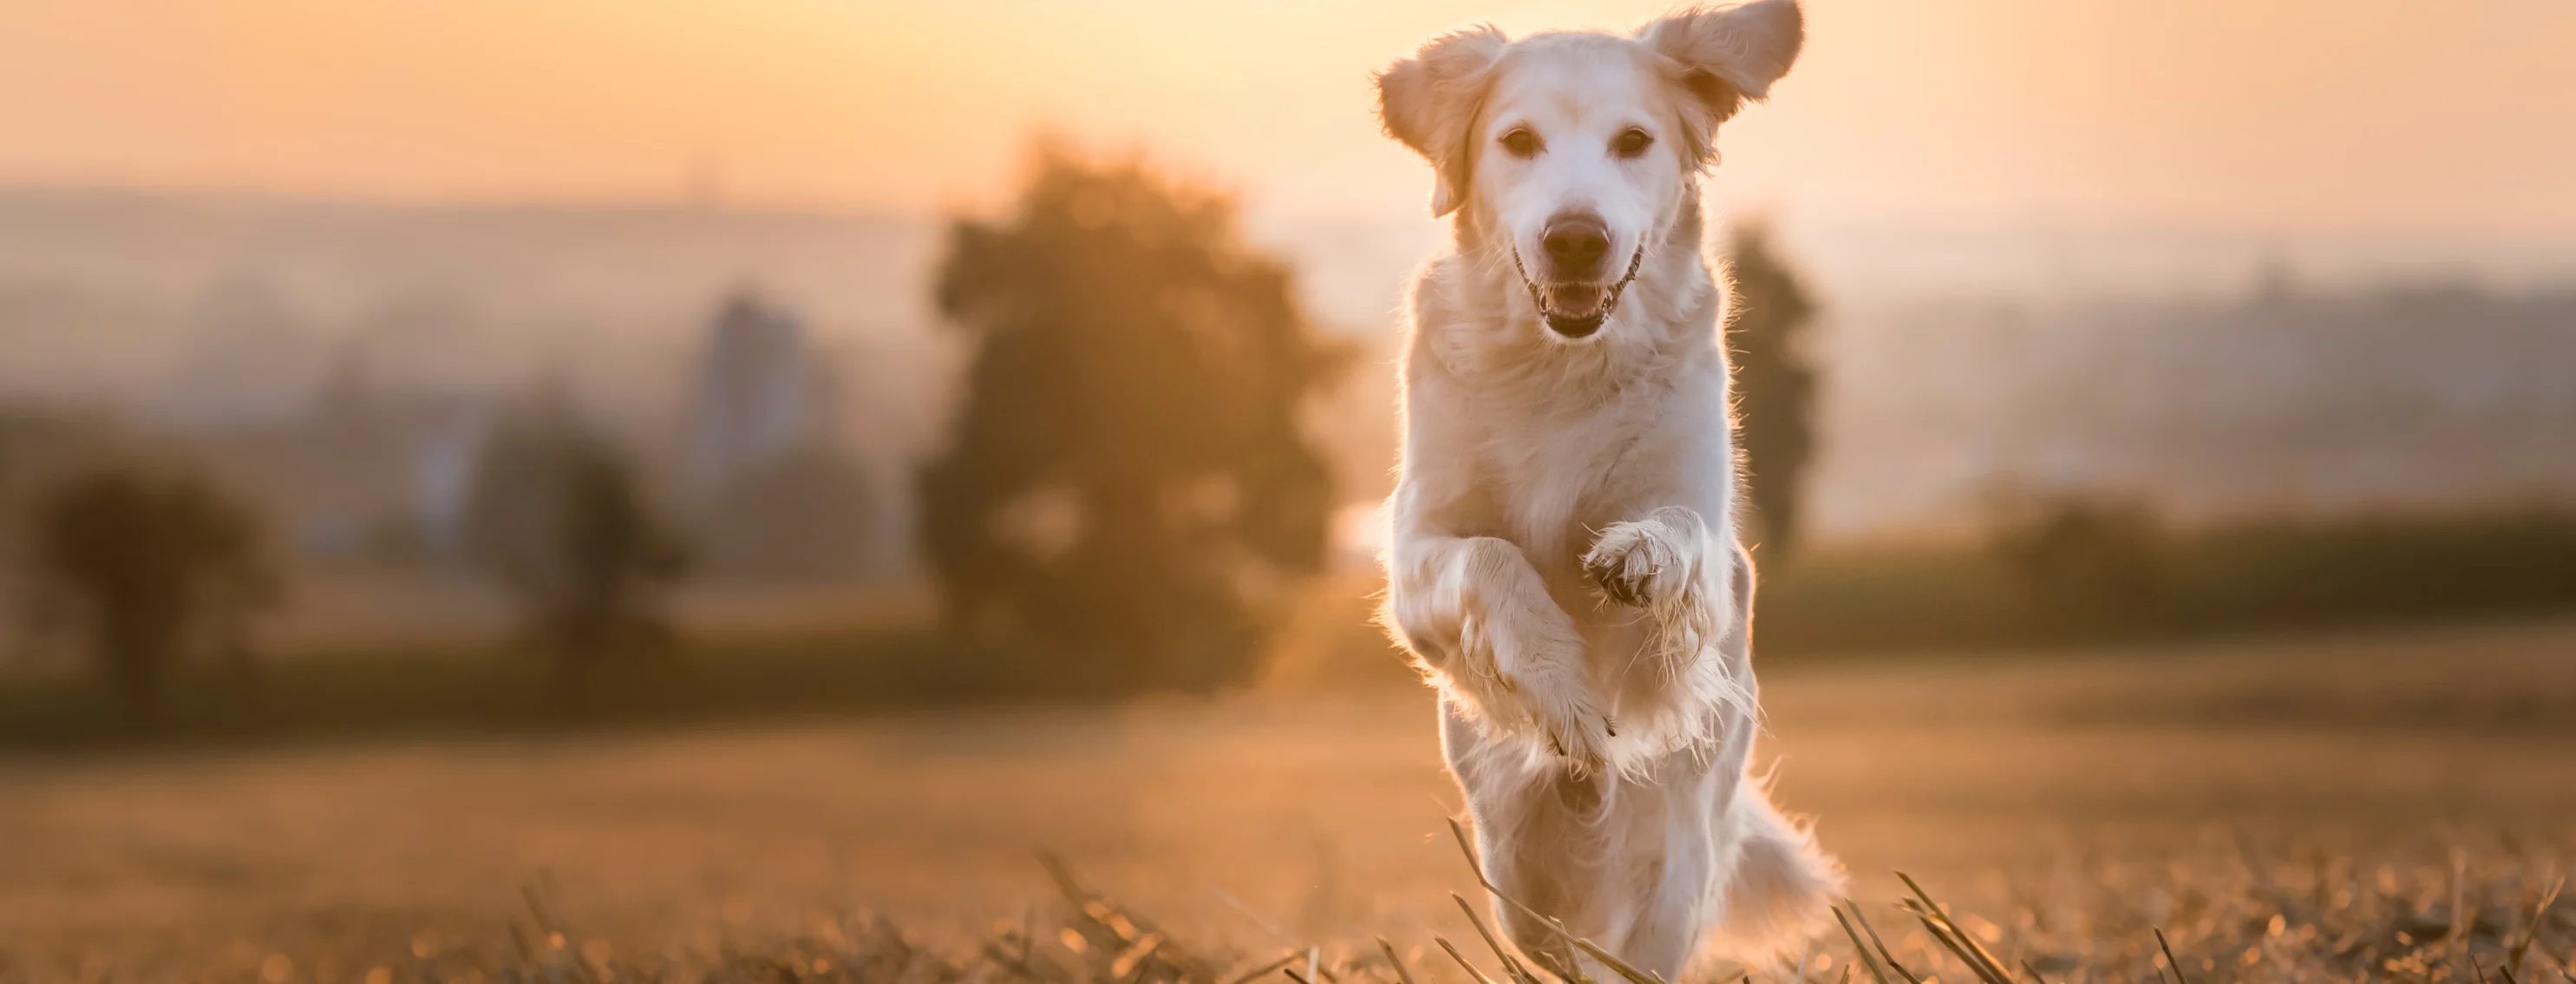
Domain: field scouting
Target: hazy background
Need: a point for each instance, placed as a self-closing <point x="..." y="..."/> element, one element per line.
<point x="2264" y="313"/>
<point x="1999" y="203"/>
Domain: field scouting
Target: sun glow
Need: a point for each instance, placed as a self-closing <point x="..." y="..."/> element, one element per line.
<point x="2300" y="115"/>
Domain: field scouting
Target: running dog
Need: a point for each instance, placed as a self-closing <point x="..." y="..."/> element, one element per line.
<point x="1564" y="563"/>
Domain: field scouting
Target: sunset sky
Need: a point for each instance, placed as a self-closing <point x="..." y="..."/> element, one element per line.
<point x="2307" y="116"/>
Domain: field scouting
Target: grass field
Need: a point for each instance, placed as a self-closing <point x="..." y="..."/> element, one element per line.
<point x="2386" y="796"/>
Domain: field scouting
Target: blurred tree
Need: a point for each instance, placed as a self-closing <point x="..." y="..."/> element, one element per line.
<point x="145" y="562"/>
<point x="1775" y="387"/>
<point x="1128" y="482"/>
<point x="559" y="518"/>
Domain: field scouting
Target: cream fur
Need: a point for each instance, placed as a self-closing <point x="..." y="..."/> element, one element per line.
<point x="1564" y="563"/>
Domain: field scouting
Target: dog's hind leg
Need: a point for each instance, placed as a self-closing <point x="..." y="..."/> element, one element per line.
<point x="1666" y="856"/>
<point x="1781" y="888"/>
<point x="1535" y="839"/>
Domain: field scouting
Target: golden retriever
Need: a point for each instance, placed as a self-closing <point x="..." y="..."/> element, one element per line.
<point x="1564" y="564"/>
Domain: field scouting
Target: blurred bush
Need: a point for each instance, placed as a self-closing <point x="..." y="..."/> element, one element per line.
<point x="2083" y="562"/>
<point x="1836" y="602"/>
<point x="559" y="519"/>
<point x="144" y="562"/>
<point x="2379" y="568"/>
<point x="1128" y="483"/>
<point x="2086" y="569"/>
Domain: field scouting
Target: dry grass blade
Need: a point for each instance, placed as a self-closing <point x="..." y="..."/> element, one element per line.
<point x="2171" y="960"/>
<point x="2034" y="973"/>
<point x="2461" y="917"/>
<point x="1402" y="975"/>
<point x="1554" y="925"/>
<point x="1017" y="965"/>
<point x="1474" y="863"/>
<point x="1511" y="968"/>
<point x="1266" y="969"/>
<point x="1950" y="938"/>
<point x="1859" y="948"/>
<point x="1472" y="972"/>
<point x="1883" y="952"/>
<point x="1119" y="937"/>
<point x="1476" y="866"/>
<point x="1126" y="964"/>
<point x="1978" y="958"/>
<point x="2531" y="934"/>
<point x="1065" y="883"/>
<point x="1633" y="975"/>
<point x="519" y="939"/>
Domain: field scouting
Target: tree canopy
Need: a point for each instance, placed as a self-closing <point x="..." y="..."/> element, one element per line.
<point x="559" y="518"/>
<point x="147" y="562"/>
<point x="1127" y="483"/>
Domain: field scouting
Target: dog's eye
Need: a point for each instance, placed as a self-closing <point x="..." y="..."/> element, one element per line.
<point x="1631" y="142"/>
<point x="1521" y="143"/>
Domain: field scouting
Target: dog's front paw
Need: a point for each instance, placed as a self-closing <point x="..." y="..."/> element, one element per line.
<point x="1640" y="563"/>
<point x="1539" y="670"/>
<point x="1565" y="715"/>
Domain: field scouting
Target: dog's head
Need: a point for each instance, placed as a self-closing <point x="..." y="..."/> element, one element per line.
<point x="1574" y="150"/>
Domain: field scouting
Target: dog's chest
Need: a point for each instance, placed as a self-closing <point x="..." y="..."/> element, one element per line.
<point x="1555" y="478"/>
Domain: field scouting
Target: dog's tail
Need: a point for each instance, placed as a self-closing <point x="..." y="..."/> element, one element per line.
<point x="1782" y="890"/>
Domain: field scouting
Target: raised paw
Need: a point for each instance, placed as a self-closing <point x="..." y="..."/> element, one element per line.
<point x="1576" y="730"/>
<point x="1539" y="672"/>
<point x="1637" y="563"/>
<point x="1560" y="705"/>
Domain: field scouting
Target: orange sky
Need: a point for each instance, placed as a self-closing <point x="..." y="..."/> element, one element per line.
<point x="2420" y="117"/>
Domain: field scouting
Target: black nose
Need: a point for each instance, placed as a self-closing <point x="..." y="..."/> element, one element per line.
<point x="1575" y="245"/>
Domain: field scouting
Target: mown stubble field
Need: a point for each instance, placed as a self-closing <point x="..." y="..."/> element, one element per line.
<point x="2039" y="791"/>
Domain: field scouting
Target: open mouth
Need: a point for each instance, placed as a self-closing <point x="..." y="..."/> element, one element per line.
<point x="1576" y="310"/>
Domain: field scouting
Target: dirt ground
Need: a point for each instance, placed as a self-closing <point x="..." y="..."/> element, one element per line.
<point x="1266" y="817"/>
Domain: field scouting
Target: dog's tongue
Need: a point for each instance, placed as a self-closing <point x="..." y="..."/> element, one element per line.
<point x="1575" y="301"/>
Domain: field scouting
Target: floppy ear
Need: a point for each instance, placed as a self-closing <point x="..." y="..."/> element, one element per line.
<point x="1429" y="100"/>
<point x="1726" y="55"/>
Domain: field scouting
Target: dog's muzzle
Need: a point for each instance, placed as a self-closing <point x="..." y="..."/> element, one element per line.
<point x="1577" y="310"/>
